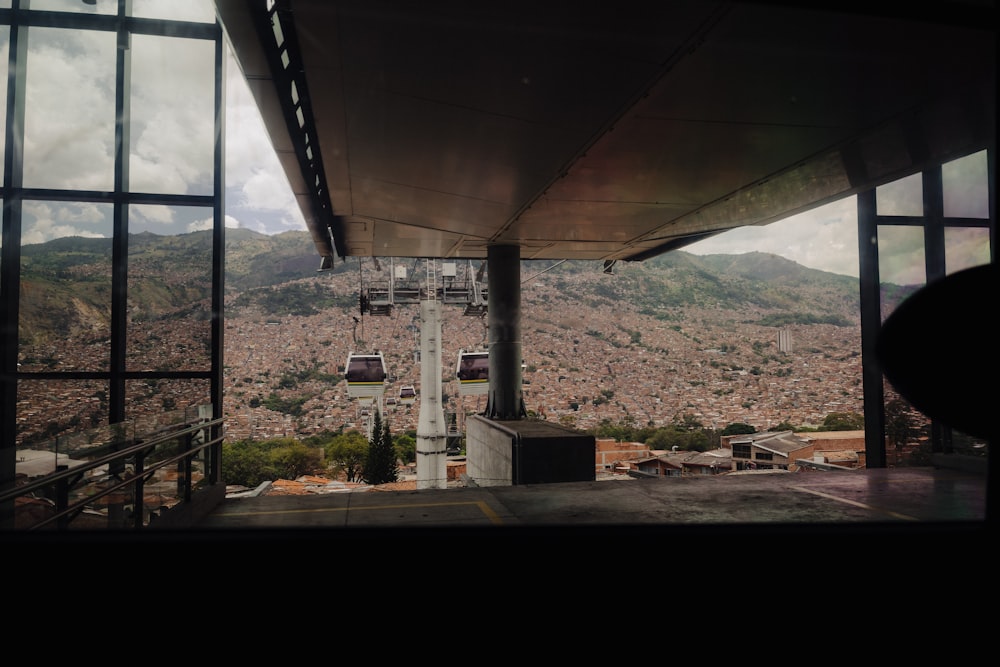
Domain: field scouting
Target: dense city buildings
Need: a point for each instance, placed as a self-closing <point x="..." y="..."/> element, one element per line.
<point x="583" y="365"/>
<point x="652" y="345"/>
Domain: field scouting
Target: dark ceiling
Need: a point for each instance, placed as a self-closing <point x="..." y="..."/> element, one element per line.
<point x="599" y="130"/>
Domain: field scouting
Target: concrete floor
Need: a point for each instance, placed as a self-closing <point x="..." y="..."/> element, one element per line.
<point x="885" y="505"/>
<point x="906" y="495"/>
<point x="861" y="523"/>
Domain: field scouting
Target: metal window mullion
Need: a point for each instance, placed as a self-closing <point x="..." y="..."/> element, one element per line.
<point x="871" y="323"/>
<point x="10" y="259"/>
<point x="933" y="223"/>
<point x="119" y="259"/>
<point x="214" y="455"/>
<point x="935" y="269"/>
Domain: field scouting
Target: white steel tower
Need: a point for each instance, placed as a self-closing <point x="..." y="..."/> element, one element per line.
<point x="432" y="439"/>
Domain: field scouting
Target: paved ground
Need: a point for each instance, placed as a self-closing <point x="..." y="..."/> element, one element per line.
<point x="926" y="503"/>
<point x="871" y="519"/>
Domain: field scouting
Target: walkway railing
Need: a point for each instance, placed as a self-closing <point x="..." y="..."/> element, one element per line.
<point x="124" y="483"/>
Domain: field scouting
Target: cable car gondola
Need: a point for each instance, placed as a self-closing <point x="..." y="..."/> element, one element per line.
<point x="473" y="371"/>
<point x="407" y="394"/>
<point x="365" y="375"/>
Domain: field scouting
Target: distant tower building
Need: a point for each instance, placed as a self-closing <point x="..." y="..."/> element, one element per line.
<point x="785" y="341"/>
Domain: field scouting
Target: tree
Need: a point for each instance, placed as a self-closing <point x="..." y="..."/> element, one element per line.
<point x="244" y="463"/>
<point x="294" y="459"/>
<point x="619" y="431"/>
<point x="899" y="428"/>
<point x="380" y="465"/>
<point x="738" y="428"/>
<point x="687" y="422"/>
<point x="250" y="462"/>
<point x="665" y="438"/>
<point x="348" y="452"/>
<point x="843" y="421"/>
<point x="405" y="448"/>
<point x="696" y="441"/>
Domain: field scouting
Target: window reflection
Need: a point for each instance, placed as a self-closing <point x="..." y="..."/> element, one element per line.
<point x="155" y="403"/>
<point x="901" y="255"/>
<point x="966" y="187"/>
<point x="173" y="137"/>
<point x="200" y="11"/>
<point x="66" y="279"/>
<point x="169" y="288"/>
<point x="69" y="135"/>
<point x="902" y="197"/>
<point x="76" y="6"/>
<point x="966" y="247"/>
<point x="50" y="408"/>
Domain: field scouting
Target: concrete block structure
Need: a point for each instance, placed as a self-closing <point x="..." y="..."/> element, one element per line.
<point x="505" y="453"/>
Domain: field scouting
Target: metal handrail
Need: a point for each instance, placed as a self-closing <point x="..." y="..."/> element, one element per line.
<point x="61" y="479"/>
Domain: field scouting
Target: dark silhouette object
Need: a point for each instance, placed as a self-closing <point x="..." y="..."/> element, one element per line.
<point x="938" y="350"/>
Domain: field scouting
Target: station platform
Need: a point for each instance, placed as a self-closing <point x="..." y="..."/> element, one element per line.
<point x="904" y="515"/>
<point x="885" y="505"/>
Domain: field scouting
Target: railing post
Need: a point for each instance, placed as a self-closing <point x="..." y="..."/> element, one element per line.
<point x="62" y="497"/>
<point x="184" y="481"/>
<point x="139" y="489"/>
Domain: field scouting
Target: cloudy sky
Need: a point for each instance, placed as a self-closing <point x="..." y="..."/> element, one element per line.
<point x="258" y="196"/>
<point x="826" y="238"/>
<point x="66" y="145"/>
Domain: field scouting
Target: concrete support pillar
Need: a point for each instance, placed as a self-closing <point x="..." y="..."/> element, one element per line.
<point x="432" y="436"/>
<point x="505" y="400"/>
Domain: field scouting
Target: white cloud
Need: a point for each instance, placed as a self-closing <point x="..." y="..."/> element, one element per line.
<point x="44" y="221"/>
<point x="257" y="190"/>
<point x="200" y="225"/>
<point x="69" y="134"/>
<point x="825" y="238"/>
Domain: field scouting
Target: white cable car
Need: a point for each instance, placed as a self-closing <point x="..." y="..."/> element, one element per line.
<point x="473" y="372"/>
<point x="407" y="394"/>
<point x="365" y="375"/>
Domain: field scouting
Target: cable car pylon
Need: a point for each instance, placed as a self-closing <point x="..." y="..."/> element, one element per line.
<point x="445" y="288"/>
<point x="432" y="436"/>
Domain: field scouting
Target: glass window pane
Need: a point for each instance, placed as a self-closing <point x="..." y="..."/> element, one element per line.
<point x="966" y="187"/>
<point x="173" y="117"/>
<point x="49" y="411"/>
<point x="901" y="255"/>
<point x="155" y="403"/>
<point x="200" y="11"/>
<point x="902" y="197"/>
<point x="4" y="49"/>
<point x="66" y="278"/>
<point x="966" y="247"/>
<point x="169" y="288"/>
<point x="76" y="6"/>
<point x="69" y="135"/>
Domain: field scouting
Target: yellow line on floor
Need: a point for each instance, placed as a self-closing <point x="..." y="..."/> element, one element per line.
<point x="483" y="507"/>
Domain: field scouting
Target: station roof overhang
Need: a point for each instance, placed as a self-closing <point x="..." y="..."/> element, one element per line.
<point x="601" y="131"/>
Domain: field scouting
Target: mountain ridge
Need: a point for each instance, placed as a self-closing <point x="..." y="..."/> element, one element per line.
<point x="656" y="340"/>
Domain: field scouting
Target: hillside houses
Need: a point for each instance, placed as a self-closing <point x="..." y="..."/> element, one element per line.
<point x="785" y="449"/>
<point x="782" y="450"/>
<point x="585" y="364"/>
